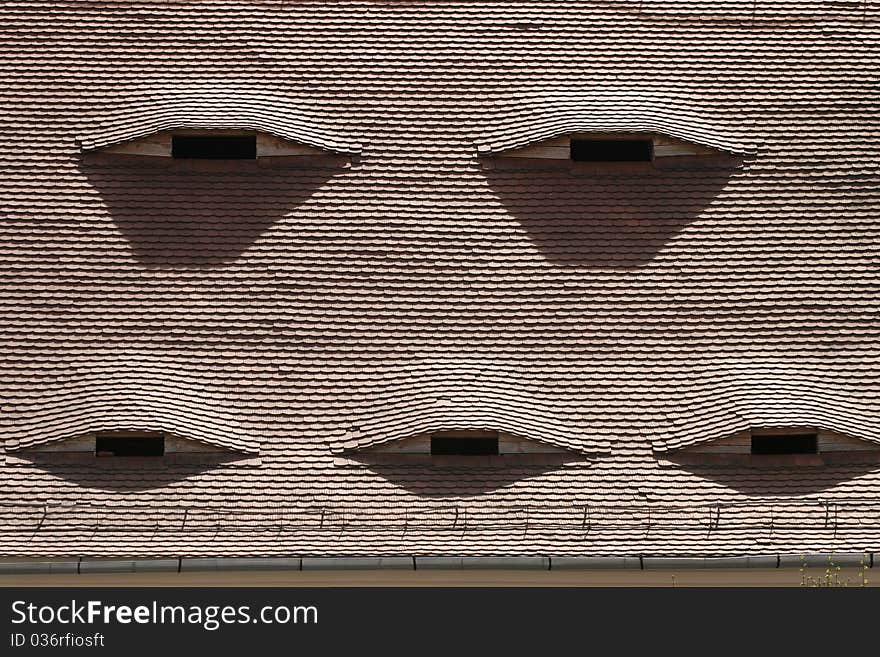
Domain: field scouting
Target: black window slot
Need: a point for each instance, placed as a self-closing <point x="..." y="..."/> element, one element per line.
<point x="204" y="147"/>
<point x="612" y="150"/>
<point x="806" y="443"/>
<point x="464" y="446"/>
<point x="130" y="446"/>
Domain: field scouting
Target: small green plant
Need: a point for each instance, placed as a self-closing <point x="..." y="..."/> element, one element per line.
<point x="831" y="577"/>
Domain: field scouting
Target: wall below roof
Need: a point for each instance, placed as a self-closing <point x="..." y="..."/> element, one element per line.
<point x="850" y="569"/>
<point x="605" y="577"/>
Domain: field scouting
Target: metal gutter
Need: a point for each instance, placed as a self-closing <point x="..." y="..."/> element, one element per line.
<point x="482" y="563"/>
<point x="656" y="563"/>
<point x="129" y="566"/>
<point x="358" y="563"/>
<point x="594" y="563"/>
<point x="821" y="560"/>
<point x="222" y="564"/>
<point x="39" y="567"/>
<point x="227" y="564"/>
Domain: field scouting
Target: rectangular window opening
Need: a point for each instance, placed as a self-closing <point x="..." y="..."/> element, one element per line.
<point x="612" y="150"/>
<point x="450" y="446"/>
<point x="130" y="446"/>
<point x="220" y="147"/>
<point x="804" y="443"/>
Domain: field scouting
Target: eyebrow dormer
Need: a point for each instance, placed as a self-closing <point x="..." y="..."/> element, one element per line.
<point x="213" y="144"/>
<point x="609" y="148"/>
<point x="207" y="143"/>
<point x="779" y="446"/>
<point x="215" y="125"/>
<point x="608" y="131"/>
<point x="772" y="419"/>
<point x="109" y="416"/>
<point x="466" y="420"/>
<point x="466" y="446"/>
<point x="130" y="444"/>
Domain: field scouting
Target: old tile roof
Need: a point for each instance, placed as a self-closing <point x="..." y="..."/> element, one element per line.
<point x="280" y="309"/>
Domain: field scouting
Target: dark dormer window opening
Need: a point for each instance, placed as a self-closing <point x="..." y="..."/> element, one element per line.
<point x="800" y="443"/>
<point x="464" y="443"/>
<point x="147" y="444"/>
<point x="214" y="147"/>
<point x="612" y="150"/>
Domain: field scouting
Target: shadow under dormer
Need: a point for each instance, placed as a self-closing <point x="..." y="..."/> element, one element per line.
<point x="454" y="477"/>
<point x="784" y="476"/>
<point x="180" y="213"/>
<point x="132" y="473"/>
<point x="619" y="215"/>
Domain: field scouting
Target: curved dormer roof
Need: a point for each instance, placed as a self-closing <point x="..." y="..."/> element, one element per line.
<point x="630" y="114"/>
<point x="215" y="109"/>
<point x="127" y="402"/>
<point x="466" y="403"/>
<point x="739" y="403"/>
